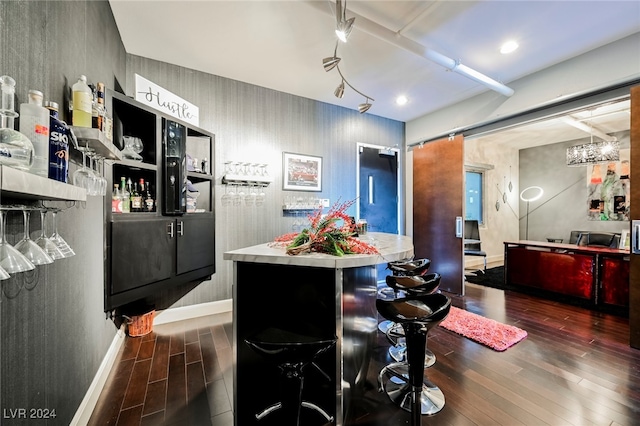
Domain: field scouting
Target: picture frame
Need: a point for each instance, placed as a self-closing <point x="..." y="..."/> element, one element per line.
<point x="301" y="172"/>
<point x="625" y="240"/>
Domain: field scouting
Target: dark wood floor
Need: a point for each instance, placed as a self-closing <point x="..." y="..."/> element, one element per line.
<point x="574" y="368"/>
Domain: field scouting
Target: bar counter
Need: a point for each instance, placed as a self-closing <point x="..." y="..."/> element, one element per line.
<point x="337" y="294"/>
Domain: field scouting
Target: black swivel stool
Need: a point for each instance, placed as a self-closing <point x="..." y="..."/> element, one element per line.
<point x="405" y="383"/>
<point x="412" y="286"/>
<point x="406" y="267"/>
<point x="292" y="352"/>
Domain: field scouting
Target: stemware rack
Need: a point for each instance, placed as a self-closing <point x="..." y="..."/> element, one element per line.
<point x="19" y="184"/>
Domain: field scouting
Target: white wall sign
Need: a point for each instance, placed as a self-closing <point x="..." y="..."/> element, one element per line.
<point x="164" y="101"/>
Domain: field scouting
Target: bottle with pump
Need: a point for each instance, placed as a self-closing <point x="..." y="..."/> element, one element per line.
<point x="82" y="97"/>
<point x="58" y="145"/>
<point x="34" y="124"/>
<point x="16" y="150"/>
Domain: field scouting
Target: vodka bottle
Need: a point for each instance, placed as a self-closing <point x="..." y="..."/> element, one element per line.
<point x="34" y="124"/>
<point x="125" y="196"/>
<point x="58" y="145"/>
<point x="16" y="150"/>
<point x="81" y="94"/>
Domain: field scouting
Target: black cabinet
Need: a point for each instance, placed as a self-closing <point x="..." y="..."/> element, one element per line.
<point x="149" y="251"/>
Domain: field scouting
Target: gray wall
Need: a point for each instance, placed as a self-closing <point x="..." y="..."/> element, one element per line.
<point x="563" y="206"/>
<point x="53" y="332"/>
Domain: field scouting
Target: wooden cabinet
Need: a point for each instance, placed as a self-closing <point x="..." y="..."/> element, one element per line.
<point x="148" y="252"/>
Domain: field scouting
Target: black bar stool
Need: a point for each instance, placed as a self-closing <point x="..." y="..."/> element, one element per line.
<point x="292" y="352"/>
<point x="405" y="382"/>
<point x="405" y="267"/>
<point x="412" y="286"/>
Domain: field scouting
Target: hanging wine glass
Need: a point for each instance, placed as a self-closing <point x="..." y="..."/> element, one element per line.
<point x="66" y="250"/>
<point x="28" y="247"/>
<point x="45" y="243"/>
<point x="84" y="177"/>
<point x="11" y="260"/>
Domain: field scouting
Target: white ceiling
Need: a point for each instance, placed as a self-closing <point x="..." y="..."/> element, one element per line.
<point x="280" y="44"/>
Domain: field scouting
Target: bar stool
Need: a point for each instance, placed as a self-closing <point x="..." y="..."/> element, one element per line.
<point x="413" y="286"/>
<point x="405" y="382"/>
<point x="292" y="352"/>
<point x="406" y="267"/>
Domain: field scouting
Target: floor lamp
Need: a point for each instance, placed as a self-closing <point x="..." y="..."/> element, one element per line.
<point x="532" y="193"/>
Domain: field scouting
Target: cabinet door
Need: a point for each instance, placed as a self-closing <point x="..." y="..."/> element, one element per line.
<point x="141" y="253"/>
<point x="196" y="245"/>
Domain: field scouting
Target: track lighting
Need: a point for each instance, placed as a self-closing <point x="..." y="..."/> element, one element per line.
<point x="330" y="62"/>
<point x="364" y="107"/>
<point x="343" y="25"/>
<point x="339" y="90"/>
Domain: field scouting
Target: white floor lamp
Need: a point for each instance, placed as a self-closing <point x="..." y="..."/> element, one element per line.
<point x="532" y="193"/>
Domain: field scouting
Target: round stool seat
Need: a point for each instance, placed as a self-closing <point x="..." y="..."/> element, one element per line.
<point x="409" y="267"/>
<point x="292" y="351"/>
<point x="406" y="382"/>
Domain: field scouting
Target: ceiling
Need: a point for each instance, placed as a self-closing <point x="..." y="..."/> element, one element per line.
<point x="390" y="52"/>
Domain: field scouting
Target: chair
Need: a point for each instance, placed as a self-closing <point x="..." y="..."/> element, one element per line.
<point x="292" y="352"/>
<point x="405" y="382"/>
<point x="598" y="239"/>
<point x="472" y="243"/>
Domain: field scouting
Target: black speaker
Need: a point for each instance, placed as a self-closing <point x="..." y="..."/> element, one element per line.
<point x="174" y="168"/>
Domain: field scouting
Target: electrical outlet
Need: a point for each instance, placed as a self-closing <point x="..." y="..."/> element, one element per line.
<point x="325" y="202"/>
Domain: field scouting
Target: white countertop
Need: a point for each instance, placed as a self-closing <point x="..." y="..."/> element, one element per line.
<point x="391" y="247"/>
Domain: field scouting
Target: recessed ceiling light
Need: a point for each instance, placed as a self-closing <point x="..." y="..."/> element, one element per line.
<point x="508" y="47"/>
<point x="401" y="100"/>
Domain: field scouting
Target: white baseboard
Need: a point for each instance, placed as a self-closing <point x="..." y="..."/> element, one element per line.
<point x="88" y="404"/>
<point x="193" y="311"/>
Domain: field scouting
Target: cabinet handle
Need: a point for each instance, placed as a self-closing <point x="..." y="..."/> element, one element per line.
<point x="170" y="229"/>
<point x="180" y="226"/>
<point x="458" y="226"/>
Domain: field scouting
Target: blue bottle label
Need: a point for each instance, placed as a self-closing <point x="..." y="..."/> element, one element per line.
<point x="58" y="150"/>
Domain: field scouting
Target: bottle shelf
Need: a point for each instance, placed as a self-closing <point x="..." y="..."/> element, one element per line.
<point x="96" y="140"/>
<point x="19" y="184"/>
<point x="244" y="180"/>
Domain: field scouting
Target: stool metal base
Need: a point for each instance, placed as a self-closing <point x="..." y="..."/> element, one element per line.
<point x="270" y="409"/>
<point x="399" y="354"/>
<point x="393" y="380"/>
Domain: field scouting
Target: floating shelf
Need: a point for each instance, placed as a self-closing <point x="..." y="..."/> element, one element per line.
<point x="19" y="184"/>
<point x="244" y="180"/>
<point x="96" y="140"/>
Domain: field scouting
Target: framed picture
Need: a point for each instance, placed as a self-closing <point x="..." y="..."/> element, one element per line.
<point x="301" y="172"/>
<point x="625" y="240"/>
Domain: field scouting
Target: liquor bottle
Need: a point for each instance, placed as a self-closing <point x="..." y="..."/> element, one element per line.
<point x="34" y="124"/>
<point x="81" y="95"/>
<point x="58" y="145"/>
<point x="149" y="202"/>
<point x="102" y="110"/>
<point x="136" y="199"/>
<point x="16" y="150"/>
<point x="116" y="201"/>
<point x="125" y="196"/>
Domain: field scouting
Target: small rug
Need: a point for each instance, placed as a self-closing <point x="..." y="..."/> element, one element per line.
<point x="483" y="330"/>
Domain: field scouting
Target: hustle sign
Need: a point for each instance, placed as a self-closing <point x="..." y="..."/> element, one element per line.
<point x="166" y="102"/>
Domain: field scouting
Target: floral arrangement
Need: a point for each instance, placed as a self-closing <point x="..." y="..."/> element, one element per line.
<point x="333" y="234"/>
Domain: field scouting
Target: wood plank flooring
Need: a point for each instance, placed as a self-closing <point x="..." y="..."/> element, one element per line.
<point x="574" y="368"/>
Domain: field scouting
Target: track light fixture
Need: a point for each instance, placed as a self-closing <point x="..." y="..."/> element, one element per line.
<point x="343" y="25"/>
<point x="364" y="107"/>
<point x="330" y="62"/>
<point x="339" y="90"/>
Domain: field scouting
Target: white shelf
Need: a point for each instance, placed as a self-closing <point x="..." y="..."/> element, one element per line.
<point x="19" y="184"/>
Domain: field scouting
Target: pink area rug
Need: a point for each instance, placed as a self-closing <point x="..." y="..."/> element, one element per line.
<point x="483" y="330"/>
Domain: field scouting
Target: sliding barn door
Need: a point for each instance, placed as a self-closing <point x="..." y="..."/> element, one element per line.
<point x="634" y="270"/>
<point x="438" y="196"/>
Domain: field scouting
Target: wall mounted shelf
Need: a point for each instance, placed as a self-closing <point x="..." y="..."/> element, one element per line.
<point x="246" y="180"/>
<point x="97" y="140"/>
<point x="19" y="184"/>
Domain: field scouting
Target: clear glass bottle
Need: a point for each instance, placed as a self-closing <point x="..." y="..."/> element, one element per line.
<point x="16" y="150"/>
<point x="81" y="94"/>
<point x="125" y="196"/>
<point x="34" y="124"/>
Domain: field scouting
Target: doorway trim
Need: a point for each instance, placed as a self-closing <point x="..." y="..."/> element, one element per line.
<point x="399" y="179"/>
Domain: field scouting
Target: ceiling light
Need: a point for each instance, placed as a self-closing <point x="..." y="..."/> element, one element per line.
<point x="330" y="62"/>
<point x="593" y="153"/>
<point x="508" y="47"/>
<point x="339" y="90"/>
<point x="401" y="100"/>
<point x="343" y="25"/>
<point x="364" y="107"/>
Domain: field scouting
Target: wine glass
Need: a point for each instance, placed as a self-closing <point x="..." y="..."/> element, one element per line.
<point x="66" y="250"/>
<point x="11" y="260"/>
<point x="45" y="243"/>
<point x="84" y="177"/>
<point x="28" y="247"/>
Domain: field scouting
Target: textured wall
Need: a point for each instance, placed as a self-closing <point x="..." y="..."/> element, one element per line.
<point x="53" y="332"/>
